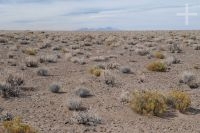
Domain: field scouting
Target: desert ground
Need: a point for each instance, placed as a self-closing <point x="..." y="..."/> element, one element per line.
<point x="54" y="66"/>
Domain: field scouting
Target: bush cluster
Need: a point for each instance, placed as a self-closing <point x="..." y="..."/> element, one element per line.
<point x="154" y="103"/>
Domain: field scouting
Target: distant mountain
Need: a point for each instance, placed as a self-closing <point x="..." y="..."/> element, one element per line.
<point x="98" y="29"/>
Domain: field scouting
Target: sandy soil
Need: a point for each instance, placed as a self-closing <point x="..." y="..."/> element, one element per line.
<point x="75" y="53"/>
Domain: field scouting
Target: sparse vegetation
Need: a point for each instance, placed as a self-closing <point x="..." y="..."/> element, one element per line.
<point x="142" y="52"/>
<point x="42" y="72"/>
<point x="48" y="59"/>
<point x="31" y="62"/>
<point x="125" y="97"/>
<point x="157" y="66"/>
<point x="6" y="117"/>
<point x="30" y="51"/>
<point x="172" y="60"/>
<point x="11" y="55"/>
<point x="175" y="48"/>
<point x="78" y="60"/>
<point x="179" y="100"/>
<point x="159" y="55"/>
<point x="45" y="45"/>
<point x="16" y="126"/>
<point x="112" y="66"/>
<point x="74" y="104"/>
<point x="197" y="47"/>
<point x="65" y="50"/>
<point x="148" y="102"/>
<point x="193" y="85"/>
<point x="110" y="40"/>
<point x="95" y="71"/>
<point x="109" y="78"/>
<point x="54" y="88"/>
<point x="196" y="66"/>
<point x="15" y="80"/>
<point x="57" y="48"/>
<point x="12" y="86"/>
<point x="63" y="77"/>
<point x="189" y="79"/>
<point x="99" y="58"/>
<point x="82" y="92"/>
<point x="88" y="118"/>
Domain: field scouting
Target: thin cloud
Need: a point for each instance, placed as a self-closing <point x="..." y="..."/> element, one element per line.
<point x="76" y="14"/>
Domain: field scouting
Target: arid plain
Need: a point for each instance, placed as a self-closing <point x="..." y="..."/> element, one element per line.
<point x="79" y="82"/>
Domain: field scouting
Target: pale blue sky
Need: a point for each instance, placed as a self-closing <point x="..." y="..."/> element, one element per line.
<point x="77" y="14"/>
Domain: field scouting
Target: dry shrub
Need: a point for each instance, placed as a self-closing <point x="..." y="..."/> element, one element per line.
<point x="142" y="51"/>
<point x="30" y="51"/>
<point x="148" y="102"/>
<point x="15" y="80"/>
<point x="187" y="77"/>
<point x="96" y="71"/>
<point x="159" y="55"/>
<point x="109" y="78"/>
<point x="12" y="86"/>
<point x="54" y="88"/>
<point x="48" y="59"/>
<point x="157" y="66"/>
<point x="196" y="47"/>
<point x="190" y="79"/>
<point x="175" y="48"/>
<point x="42" y="72"/>
<point x="179" y="100"/>
<point x="83" y="92"/>
<point x="110" y="40"/>
<point x="16" y="126"/>
<point x="197" y="66"/>
<point x="88" y="118"/>
<point x="171" y="60"/>
<point x="31" y="62"/>
<point x="2" y="40"/>
<point x="65" y="50"/>
<point x="124" y="96"/>
<point x="75" y="104"/>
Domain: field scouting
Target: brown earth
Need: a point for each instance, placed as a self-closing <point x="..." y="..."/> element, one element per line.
<point x="75" y="53"/>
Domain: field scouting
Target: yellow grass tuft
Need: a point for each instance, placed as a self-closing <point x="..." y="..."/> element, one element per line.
<point x="16" y="126"/>
<point x="148" y="102"/>
<point x="157" y="66"/>
<point x="30" y="51"/>
<point x="159" y="55"/>
<point x="96" y="71"/>
<point x="179" y="100"/>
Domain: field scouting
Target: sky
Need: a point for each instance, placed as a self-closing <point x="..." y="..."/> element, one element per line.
<point x="95" y="14"/>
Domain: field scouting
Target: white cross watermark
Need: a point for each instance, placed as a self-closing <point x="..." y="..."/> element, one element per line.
<point x="186" y="14"/>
